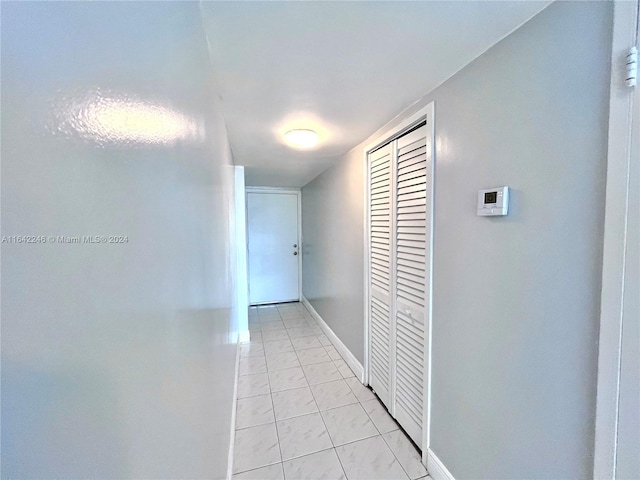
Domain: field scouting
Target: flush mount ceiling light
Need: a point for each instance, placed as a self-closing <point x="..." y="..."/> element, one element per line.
<point x="302" y="139"/>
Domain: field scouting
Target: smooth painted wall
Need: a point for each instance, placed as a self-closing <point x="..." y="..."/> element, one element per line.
<point x="332" y="243"/>
<point x="628" y="435"/>
<point x="118" y="359"/>
<point x="516" y="299"/>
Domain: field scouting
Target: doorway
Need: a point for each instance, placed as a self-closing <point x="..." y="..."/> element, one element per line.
<point x="273" y="245"/>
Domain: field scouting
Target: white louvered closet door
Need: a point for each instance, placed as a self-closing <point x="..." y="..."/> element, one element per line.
<point x="400" y="233"/>
<point x="413" y="180"/>
<point x="380" y="273"/>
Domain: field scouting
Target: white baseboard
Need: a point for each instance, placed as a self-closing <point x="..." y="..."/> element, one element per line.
<point x="436" y="468"/>
<point x="232" y="439"/>
<point x="342" y="349"/>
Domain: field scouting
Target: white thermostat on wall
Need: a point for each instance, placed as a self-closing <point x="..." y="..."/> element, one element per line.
<point x="493" y="201"/>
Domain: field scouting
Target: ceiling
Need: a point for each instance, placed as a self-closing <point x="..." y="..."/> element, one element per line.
<point x="343" y="69"/>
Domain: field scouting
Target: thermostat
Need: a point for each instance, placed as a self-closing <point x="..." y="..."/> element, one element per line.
<point x="493" y="201"/>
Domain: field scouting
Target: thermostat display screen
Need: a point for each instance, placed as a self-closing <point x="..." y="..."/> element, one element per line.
<point x="493" y="201"/>
<point x="490" y="197"/>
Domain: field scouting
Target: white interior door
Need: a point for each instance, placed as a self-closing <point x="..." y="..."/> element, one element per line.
<point x="273" y="247"/>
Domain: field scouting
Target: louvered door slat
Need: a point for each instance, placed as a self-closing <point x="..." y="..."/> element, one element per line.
<point x="409" y="297"/>
<point x="406" y="374"/>
<point x="406" y="400"/>
<point x="413" y="236"/>
<point x="410" y="202"/>
<point x="378" y="250"/>
<point x="381" y="283"/>
<point x="413" y="196"/>
<point x="410" y="257"/>
<point x="410" y="163"/>
<point x="414" y="180"/>
<point x="410" y="339"/>
<point x="380" y="312"/>
<point x="409" y="157"/>
<point x="381" y="264"/>
<point x="411" y="243"/>
<point x="410" y="217"/>
<point x="380" y="196"/>
<point x="409" y="286"/>
<point x="414" y="171"/>
<point x="379" y="172"/>
<point x="412" y="189"/>
<point x="410" y="276"/>
<point x="412" y="354"/>
<point x="410" y="265"/>
<point x="381" y="179"/>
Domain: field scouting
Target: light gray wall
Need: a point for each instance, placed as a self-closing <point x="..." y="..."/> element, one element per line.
<point x="516" y="299"/>
<point x="628" y="454"/>
<point x="118" y="360"/>
<point x="332" y="258"/>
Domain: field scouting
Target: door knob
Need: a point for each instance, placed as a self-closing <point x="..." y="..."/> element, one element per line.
<point x="295" y="253"/>
<point x="295" y="245"/>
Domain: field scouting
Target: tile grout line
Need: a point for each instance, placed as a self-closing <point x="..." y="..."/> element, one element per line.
<point x="359" y="402"/>
<point x="325" y="423"/>
<point x="273" y="407"/>
<point x="275" y="425"/>
<point x="322" y="417"/>
<point x="259" y="424"/>
<point x="380" y="434"/>
<point x="312" y="396"/>
<point x="396" y="457"/>
<point x="274" y="410"/>
<point x="262" y="425"/>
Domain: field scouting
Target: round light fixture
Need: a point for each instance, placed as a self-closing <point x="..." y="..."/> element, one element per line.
<point x="301" y="139"/>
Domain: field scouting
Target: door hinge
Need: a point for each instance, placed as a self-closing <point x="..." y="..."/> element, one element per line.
<point x="631" y="76"/>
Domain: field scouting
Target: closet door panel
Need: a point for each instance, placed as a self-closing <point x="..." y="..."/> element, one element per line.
<point x="380" y="268"/>
<point x="410" y="280"/>
<point x="399" y="239"/>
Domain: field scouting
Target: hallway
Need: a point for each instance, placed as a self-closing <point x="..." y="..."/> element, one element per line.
<point x="301" y="412"/>
<point x="461" y="231"/>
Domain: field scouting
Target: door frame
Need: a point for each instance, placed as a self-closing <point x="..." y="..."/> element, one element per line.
<point x="623" y="137"/>
<point x="427" y="114"/>
<point x="240" y="248"/>
<point x="278" y="190"/>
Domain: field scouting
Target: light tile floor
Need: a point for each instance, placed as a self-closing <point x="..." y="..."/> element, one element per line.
<point x="301" y="412"/>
